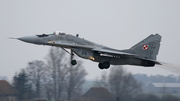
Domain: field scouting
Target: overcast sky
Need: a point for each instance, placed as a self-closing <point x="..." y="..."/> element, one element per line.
<point x="114" y="23"/>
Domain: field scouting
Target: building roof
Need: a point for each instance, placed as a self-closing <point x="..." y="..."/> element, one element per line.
<point x="98" y="92"/>
<point x="6" y="88"/>
<point x="166" y="85"/>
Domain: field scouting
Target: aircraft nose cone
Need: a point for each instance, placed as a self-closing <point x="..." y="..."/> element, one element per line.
<point x="29" y="39"/>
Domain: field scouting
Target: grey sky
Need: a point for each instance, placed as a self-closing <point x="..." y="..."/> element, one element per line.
<point x="114" y="23"/>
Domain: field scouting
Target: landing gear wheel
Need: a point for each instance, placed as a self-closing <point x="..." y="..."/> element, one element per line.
<point x="73" y="62"/>
<point x="101" y="66"/>
<point x="104" y="65"/>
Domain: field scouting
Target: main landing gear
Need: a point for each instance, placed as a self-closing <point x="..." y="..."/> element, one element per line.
<point x="104" y="65"/>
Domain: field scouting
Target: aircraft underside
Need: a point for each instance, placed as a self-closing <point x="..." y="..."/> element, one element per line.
<point x="105" y="60"/>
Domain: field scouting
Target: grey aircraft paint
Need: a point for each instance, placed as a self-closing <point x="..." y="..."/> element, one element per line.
<point x="142" y="54"/>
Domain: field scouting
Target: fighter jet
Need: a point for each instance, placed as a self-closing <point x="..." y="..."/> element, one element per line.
<point x="142" y="54"/>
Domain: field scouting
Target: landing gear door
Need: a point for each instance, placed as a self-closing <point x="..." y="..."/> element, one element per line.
<point x="84" y="53"/>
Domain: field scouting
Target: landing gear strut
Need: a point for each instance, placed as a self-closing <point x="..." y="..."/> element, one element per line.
<point x="73" y="62"/>
<point x="104" y="65"/>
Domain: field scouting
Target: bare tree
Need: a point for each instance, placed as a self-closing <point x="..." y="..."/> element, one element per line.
<point x="164" y="91"/>
<point x="120" y="83"/>
<point x="35" y="71"/>
<point x="56" y="72"/>
<point x="103" y="81"/>
<point x="75" y="79"/>
<point x="48" y="87"/>
<point x="62" y="79"/>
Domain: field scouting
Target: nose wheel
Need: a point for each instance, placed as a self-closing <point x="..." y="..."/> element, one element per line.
<point x="73" y="62"/>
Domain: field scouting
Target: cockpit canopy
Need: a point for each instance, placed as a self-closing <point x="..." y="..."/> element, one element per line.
<point x="59" y="33"/>
<point x="54" y="33"/>
<point x="43" y="35"/>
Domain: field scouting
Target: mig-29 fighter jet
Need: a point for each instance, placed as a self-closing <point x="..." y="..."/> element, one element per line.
<point x="142" y="54"/>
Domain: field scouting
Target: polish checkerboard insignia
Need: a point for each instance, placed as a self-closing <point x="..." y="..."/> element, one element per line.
<point x="145" y="47"/>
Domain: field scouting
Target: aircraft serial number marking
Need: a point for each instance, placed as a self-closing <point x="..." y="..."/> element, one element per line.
<point x="84" y="53"/>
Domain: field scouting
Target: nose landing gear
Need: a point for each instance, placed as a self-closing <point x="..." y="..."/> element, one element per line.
<point x="73" y="62"/>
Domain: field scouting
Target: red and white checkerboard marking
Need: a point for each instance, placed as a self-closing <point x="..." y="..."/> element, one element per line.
<point x="145" y="47"/>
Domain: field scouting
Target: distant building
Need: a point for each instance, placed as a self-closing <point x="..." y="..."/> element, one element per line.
<point x="7" y="91"/>
<point x="98" y="94"/>
<point x="164" y="87"/>
<point x="41" y="99"/>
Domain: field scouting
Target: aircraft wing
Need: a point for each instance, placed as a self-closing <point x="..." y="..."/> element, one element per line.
<point x="112" y="52"/>
<point x="69" y="45"/>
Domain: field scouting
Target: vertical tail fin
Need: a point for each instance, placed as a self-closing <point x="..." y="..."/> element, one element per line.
<point x="147" y="48"/>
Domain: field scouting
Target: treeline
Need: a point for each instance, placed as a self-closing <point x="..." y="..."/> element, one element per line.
<point x="153" y="97"/>
<point x="127" y="87"/>
<point x="54" y="79"/>
<point x="157" y="78"/>
<point x="3" y="78"/>
<point x="120" y="83"/>
<point x="57" y="80"/>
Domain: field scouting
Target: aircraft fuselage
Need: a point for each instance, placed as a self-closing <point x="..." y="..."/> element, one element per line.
<point x="98" y="53"/>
